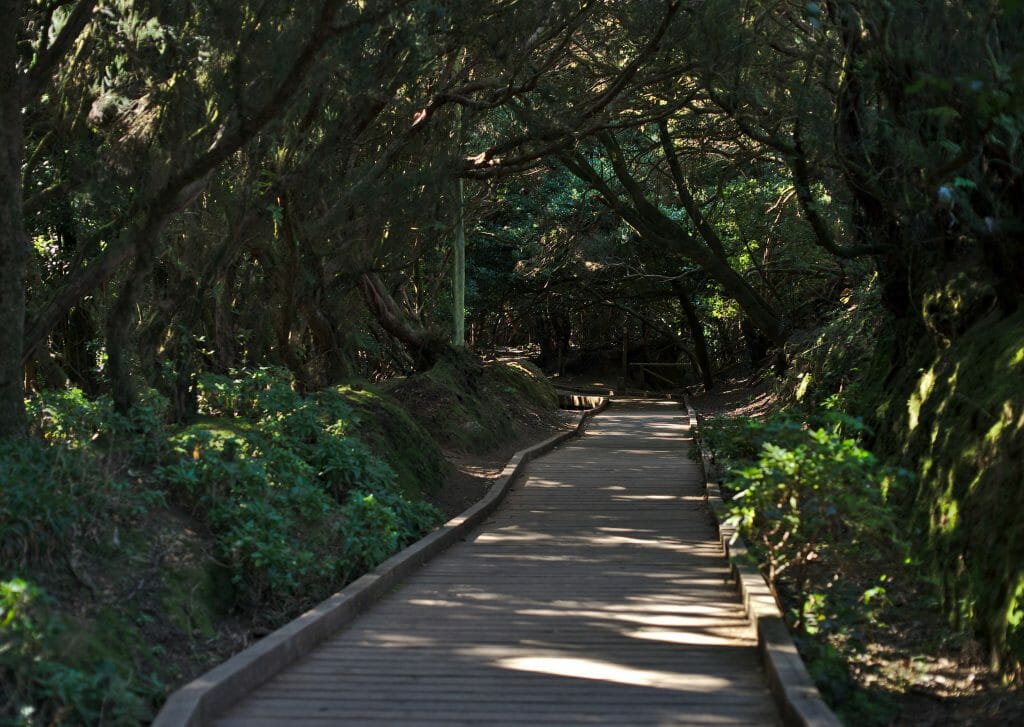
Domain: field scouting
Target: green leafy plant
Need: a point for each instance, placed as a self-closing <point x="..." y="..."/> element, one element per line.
<point x="814" y="506"/>
<point x="37" y="686"/>
<point x="285" y="488"/>
<point x="817" y="497"/>
<point x="54" y="495"/>
<point x="378" y="525"/>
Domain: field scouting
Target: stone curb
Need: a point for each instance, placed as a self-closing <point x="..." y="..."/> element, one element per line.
<point x="199" y="701"/>
<point x="795" y="693"/>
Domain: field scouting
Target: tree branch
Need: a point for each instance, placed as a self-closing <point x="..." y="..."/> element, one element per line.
<point x="39" y="75"/>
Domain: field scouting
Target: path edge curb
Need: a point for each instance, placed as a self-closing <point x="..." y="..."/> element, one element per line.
<point x="213" y="693"/>
<point x="791" y="685"/>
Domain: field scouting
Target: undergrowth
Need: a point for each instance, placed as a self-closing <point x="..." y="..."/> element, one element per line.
<point x="294" y="500"/>
<point x="951" y="410"/>
<point x="67" y="492"/>
<point x="812" y="503"/>
<point x="127" y="541"/>
<point x="284" y="489"/>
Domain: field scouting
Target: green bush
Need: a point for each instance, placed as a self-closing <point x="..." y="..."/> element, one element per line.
<point x="38" y="688"/>
<point x="53" y="495"/>
<point x="285" y="488"/>
<point x="69" y="417"/>
<point x="377" y="525"/>
<point x="402" y="442"/>
<point x="264" y="506"/>
<point x="817" y="497"/>
<point x="814" y="506"/>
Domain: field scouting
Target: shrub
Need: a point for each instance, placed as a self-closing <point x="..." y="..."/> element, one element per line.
<point x="814" y="506"/>
<point x="265" y="507"/>
<point x="377" y="525"/>
<point x="816" y="497"/>
<point x="38" y="688"/>
<point x="53" y="495"/>
<point x="295" y="502"/>
<point x="68" y="417"/>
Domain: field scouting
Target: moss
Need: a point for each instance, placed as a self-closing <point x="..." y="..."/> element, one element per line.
<point x="397" y="438"/>
<point x="197" y="592"/>
<point x="525" y="381"/>
<point x="472" y="407"/>
<point x="967" y="444"/>
<point x="924" y="390"/>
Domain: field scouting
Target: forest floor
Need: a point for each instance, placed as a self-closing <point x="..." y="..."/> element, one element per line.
<point x="910" y="665"/>
<point x="472" y="474"/>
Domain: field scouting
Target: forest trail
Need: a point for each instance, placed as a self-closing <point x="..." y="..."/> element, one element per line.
<point x="596" y="594"/>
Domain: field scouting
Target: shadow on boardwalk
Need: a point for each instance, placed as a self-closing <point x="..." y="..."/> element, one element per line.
<point x="597" y="594"/>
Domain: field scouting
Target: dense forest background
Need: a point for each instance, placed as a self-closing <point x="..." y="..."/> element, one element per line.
<point x="205" y="204"/>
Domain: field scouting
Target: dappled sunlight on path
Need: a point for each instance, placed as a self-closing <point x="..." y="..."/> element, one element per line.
<point x="597" y="594"/>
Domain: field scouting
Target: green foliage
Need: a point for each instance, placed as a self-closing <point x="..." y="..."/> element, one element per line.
<point x="277" y="488"/>
<point x="377" y="525"/>
<point x="54" y="496"/>
<point x="70" y="418"/>
<point x="814" y="505"/>
<point x="812" y="498"/>
<point x="257" y="517"/>
<point x="294" y="498"/>
<point x="38" y="686"/>
<point x="397" y="438"/>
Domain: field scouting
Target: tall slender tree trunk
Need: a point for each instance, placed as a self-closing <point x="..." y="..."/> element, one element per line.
<point x="700" y="347"/>
<point x="14" y="248"/>
<point x="459" y="271"/>
<point x="120" y="329"/>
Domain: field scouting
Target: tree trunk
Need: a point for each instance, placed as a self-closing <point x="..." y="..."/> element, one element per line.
<point x="700" y="347"/>
<point x="14" y="249"/>
<point x="660" y="231"/>
<point x="459" y="273"/>
<point x="120" y="327"/>
<point x="79" y="361"/>
<point x="425" y="345"/>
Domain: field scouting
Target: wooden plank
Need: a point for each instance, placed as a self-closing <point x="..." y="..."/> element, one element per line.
<point x="596" y="595"/>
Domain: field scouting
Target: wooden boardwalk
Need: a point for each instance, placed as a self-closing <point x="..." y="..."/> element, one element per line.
<point x="597" y="594"/>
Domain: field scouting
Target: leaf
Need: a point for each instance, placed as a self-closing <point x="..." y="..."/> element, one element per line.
<point x="943" y="113"/>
